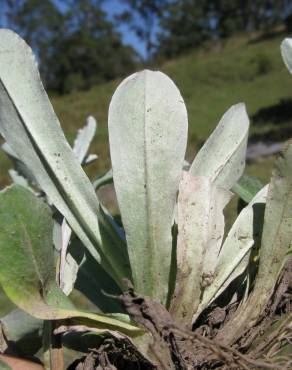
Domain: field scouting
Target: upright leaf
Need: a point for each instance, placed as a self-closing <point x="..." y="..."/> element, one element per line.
<point x="148" y="134"/>
<point x="223" y="155"/>
<point x="18" y="164"/>
<point x="31" y="128"/>
<point x="200" y="233"/>
<point x="68" y="265"/>
<point x="276" y="241"/>
<point x="27" y="272"/>
<point x="193" y="224"/>
<point x="83" y="140"/>
<point x="247" y="187"/>
<point x="244" y="234"/>
<point x="219" y="198"/>
<point x="286" y="51"/>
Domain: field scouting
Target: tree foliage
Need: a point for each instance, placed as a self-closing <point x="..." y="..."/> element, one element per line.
<point x="73" y="38"/>
<point x="72" y="44"/>
<point x="143" y="17"/>
<point x="188" y="23"/>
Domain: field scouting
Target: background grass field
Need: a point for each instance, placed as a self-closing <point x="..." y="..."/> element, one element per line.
<point x="210" y="80"/>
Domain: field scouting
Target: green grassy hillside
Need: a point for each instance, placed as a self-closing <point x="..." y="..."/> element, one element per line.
<point x="210" y="81"/>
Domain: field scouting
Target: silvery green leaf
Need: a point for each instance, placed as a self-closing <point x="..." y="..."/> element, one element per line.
<point x="84" y="139"/>
<point x="18" y="179"/>
<point x="243" y="235"/>
<point x="200" y="233"/>
<point x="219" y="197"/>
<point x="57" y="235"/>
<point x="148" y="135"/>
<point x="223" y="155"/>
<point x="9" y="151"/>
<point x="68" y="266"/>
<point x="186" y="165"/>
<point x="276" y="241"/>
<point x="20" y="167"/>
<point x="193" y="224"/>
<point x="105" y="179"/>
<point x="30" y="126"/>
<point x="247" y="187"/>
<point x="286" y="51"/>
<point x="89" y="159"/>
<point x="68" y="274"/>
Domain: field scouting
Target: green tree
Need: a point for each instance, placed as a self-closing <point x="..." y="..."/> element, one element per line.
<point x="76" y="47"/>
<point x="40" y="23"/>
<point x="143" y="17"/>
<point x="247" y="15"/>
<point x="91" y="50"/>
<point x="184" y="24"/>
<point x="187" y="23"/>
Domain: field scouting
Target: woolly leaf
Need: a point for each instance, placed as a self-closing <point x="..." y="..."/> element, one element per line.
<point x="223" y="155"/>
<point x="148" y="135"/>
<point x="32" y="130"/>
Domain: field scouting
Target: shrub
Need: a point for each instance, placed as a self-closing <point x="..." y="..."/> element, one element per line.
<point x="169" y="269"/>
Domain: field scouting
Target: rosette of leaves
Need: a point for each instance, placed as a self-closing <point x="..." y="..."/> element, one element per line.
<point x="171" y="252"/>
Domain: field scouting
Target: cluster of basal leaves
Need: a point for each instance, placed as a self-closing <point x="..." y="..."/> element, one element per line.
<point x="56" y="235"/>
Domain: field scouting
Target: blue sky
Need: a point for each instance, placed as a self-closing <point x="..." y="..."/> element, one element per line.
<point x="113" y="7"/>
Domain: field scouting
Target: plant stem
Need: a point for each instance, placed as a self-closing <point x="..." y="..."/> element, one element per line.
<point x="53" y="349"/>
<point x="56" y="350"/>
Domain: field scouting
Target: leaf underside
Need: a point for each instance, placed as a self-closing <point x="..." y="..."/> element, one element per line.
<point x="148" y="135"/>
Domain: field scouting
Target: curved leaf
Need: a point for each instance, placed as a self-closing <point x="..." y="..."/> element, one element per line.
<point x="244" y="234"/>
<point x="223" y="155"/>
<point x="193" y="223"/>
<point x="105" y="179"/>
<point x="276" y="242"/>
<point x="200" y="234"/>
<point x="20" y="167"/>
<point x="83" y="140"/>
<point x="148" y="135"/>
<point x="286" y="51"/>
<point x="27" y="271"/>
<point x="31" y="128"/>
<point x="247" y="187"/>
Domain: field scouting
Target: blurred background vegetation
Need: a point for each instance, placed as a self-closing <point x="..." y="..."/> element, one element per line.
<point x="79" y="43"/>
<point x="218" y="52"/>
